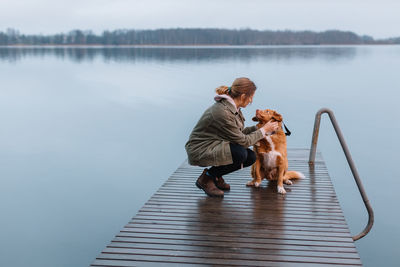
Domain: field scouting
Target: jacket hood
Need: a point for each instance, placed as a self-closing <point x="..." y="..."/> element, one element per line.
<point x="227" y="97"/>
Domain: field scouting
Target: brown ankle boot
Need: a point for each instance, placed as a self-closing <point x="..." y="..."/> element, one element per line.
<point x="206" y="183"/>
<point x="220" y="183"/>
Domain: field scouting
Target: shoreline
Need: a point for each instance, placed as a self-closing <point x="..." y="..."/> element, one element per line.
<point x="187" y="46"/>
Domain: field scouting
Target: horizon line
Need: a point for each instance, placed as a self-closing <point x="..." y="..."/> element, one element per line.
<point x="195" y="28"/>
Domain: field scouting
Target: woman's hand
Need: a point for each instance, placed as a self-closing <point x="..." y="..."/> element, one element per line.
<point x="271" y="127"/>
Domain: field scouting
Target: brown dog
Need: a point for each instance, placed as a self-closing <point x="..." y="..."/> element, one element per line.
<point x="271" y="152"/>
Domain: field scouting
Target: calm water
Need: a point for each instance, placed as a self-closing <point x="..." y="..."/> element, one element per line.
<point x="88" y="135"/>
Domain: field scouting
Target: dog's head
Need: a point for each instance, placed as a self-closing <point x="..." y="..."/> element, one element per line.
<point x="266" y="115"/>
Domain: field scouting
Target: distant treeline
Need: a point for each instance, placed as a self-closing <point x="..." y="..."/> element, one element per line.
<point x="193" y="37"/>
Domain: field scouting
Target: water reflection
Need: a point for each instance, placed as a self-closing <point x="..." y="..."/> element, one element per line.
<point x="168" y="54"/>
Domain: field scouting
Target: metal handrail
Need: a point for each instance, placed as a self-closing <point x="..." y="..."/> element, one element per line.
<point x="349" y="160"/>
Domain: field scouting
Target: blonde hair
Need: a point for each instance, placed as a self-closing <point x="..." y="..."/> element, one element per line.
<point x="239" y="86"/>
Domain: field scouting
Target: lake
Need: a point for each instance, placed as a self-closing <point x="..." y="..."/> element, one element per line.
<point x="89" y="134"/>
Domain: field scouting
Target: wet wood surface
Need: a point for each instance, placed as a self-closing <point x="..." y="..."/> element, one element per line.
<point x="181" y="226"/>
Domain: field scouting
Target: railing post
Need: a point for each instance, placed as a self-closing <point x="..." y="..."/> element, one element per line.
<point x="314" y="140"/>
<point x="346" y="151"/>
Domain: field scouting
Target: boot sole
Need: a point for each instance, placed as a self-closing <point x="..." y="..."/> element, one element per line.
<point x="200" y="187"/>
<point x="224" y="189"/>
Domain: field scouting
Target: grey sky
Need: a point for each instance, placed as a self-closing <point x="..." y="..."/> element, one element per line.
<point x="379" y="18"/>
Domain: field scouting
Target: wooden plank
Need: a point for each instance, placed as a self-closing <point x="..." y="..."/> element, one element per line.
<point x="245" y="213"/>
<point x="247" y="234"/>
<point x="243" y="220"/>
<point x="271" y="250"/>
<point x="173" y="262"/>
<point x="133" y="253"/>
<point x="314" y="229"/>
<point x="234" y="240"/>
<point x="215" y="259"/>
<point x="220" y="244"/>
<point x="181" y="226"/>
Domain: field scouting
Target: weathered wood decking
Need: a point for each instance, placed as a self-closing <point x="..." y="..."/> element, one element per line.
<point x="181" y="226"/>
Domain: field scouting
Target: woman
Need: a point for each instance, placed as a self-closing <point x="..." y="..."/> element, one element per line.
<point x="220" y="140"/>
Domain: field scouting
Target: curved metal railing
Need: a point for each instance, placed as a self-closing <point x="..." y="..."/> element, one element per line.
<point x="349" y="160"/>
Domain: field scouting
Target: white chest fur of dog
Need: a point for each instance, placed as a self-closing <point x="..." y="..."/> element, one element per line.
<point x="270" y="157"/>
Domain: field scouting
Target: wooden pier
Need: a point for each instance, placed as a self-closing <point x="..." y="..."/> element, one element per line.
<point x="181" y="226"/>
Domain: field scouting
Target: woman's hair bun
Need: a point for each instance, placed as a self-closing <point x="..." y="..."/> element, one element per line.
<point x="222" y="90"/>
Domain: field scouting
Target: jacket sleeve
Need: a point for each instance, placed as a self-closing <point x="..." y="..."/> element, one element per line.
<point x="230" y="131"/>
<point x="250" y="129"/>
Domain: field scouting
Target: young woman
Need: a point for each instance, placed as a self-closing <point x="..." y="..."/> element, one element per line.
<point x="220" y="140"/>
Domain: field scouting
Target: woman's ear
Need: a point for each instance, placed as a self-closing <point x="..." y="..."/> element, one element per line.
<point x="242" y="98"/>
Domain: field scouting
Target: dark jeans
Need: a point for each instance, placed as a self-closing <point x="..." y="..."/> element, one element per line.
<point x="240" y="155"/>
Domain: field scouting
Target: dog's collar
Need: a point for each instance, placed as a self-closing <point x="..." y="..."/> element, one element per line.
<point x="287" y="131"/>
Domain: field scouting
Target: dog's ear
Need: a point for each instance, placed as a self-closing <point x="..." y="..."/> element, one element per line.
<point x="255" y="118"/>
<point x="277" y="117"/>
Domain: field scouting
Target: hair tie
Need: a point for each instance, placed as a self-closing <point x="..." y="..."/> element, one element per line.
<point x="229" y="89"/>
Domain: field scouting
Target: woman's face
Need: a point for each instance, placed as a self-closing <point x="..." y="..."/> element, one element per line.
<point x="245" y="100"/>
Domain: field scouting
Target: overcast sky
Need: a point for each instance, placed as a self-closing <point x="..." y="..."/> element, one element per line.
<point x="378" y="18"/>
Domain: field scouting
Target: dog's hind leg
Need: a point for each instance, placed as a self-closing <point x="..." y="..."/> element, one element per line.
<point x="292" y="175"/>
<point x="287" y="181"/>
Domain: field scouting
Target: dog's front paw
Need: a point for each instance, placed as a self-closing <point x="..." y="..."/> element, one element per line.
<point x="281" y="190"/>
<point x="288" y="182"/>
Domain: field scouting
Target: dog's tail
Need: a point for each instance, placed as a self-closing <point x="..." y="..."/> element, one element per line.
<point x="293" y="175"/>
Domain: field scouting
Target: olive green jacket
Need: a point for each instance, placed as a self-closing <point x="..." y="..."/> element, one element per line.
<point x="219" y="125"/>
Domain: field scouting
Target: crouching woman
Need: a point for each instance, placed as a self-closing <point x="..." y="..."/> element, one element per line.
<point x="220" y="140"/>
